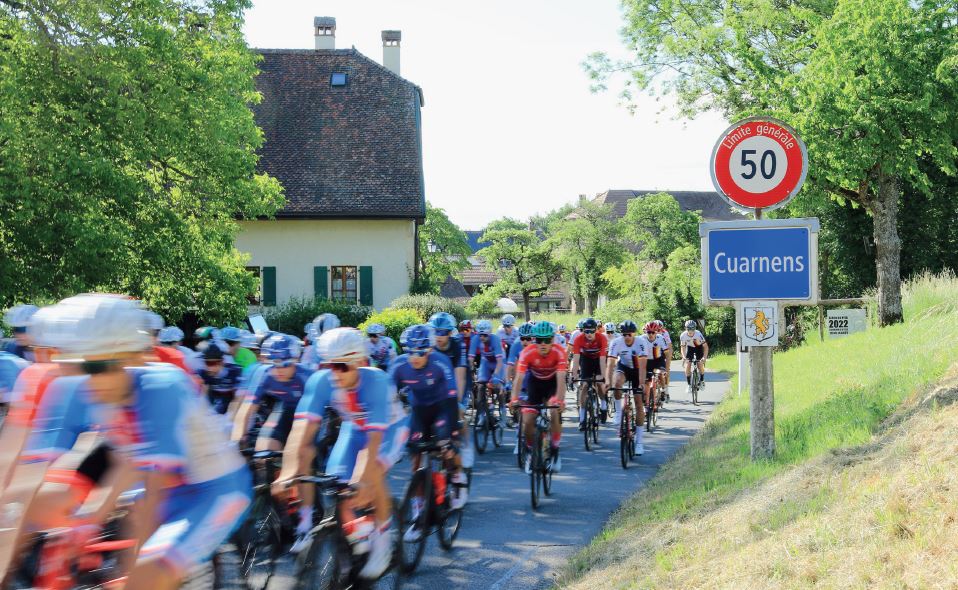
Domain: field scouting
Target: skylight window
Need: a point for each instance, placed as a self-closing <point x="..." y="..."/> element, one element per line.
<point x="338" y="79"/>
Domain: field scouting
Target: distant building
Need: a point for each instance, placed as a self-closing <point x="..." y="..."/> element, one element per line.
<point x="343" y="135"/>
<point x="709" y="203"/>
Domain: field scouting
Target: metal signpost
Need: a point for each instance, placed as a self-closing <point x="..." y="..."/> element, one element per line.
<point x="759" y="266"/>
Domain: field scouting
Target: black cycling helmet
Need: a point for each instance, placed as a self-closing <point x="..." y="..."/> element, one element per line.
<point x="628" y="326"/>
<point x="589" y="324"/>
<point x="213" y="353"/>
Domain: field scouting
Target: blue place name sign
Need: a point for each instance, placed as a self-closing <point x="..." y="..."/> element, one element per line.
<point x="774" y="259"/>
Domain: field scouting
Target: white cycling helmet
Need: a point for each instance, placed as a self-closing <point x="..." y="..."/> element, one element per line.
<point x="322" y="324"/>
<point x="153" y="321"/>
<point x="96" y="324"/>
<point x="690" y="325"/>
<point x="19" y="315"/>
<point x="610" y="328"/>
<point x="170" y="335"/>
<point x="38" y="327"/>
<point x="508" y="320"/>
<point x="484" y="327"/>
<point x="342" y="345"/>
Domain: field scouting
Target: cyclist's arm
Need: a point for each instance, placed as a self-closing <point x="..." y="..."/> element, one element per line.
<point x="684" y="348"/>
<point x="575" y="364"/>
<point x="609" y="366"/>
<point x="517" y="383"/>
<point x="241" y="423"/>
<point x="705" y="350"/>
<point x="642" y="363"/>
<point x="299" y="451"/>
<point x="602" y="361"/>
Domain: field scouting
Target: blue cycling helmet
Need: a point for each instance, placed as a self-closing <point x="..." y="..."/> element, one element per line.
<point x="376" y="330"/>
<point x="484" y="327"/>
<point x="508" y="320"/>
<point x="420" y="337"/>
<point x="230" y="334"/>
<point x="323" y="323"/>
<point x="443" y="321"/>
<point x="170" y="335"/>
<point x="281" y="347"/>
<point x="589" y="324"/>
<point x="525" y="330"/>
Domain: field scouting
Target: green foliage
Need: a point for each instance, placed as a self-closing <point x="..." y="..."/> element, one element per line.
<point x="395" y="321"/>
<point x="128" y="150"/>
<point x="443" y="251"/>
<point x="619" y="310"/>
<point x="588" y="244"/>
<point x="523" y="260"/>
<point x="291" y="316"/>
<point x="483" y="303"/>
<point x="426" y="305"/>
<point x="659" y="224"/>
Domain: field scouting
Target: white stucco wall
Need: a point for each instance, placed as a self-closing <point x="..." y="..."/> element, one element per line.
<point x="295" y="246"/>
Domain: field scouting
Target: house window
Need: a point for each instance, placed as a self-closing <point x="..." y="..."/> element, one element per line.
<point x="345" y="282"/>
<point x="256" y="297"/>
<point x="338" y="79"/>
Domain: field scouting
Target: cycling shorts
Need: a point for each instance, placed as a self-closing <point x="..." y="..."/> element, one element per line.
<point x="279" y="424"/>
<point x="486" y="374"/>
<point x="631" y="374"/>
<point x="86" y="476"/>
<point x="352" y="440"/>
<point x="539" y="391"/>
<point x="197" y="519"/>
<point x="221" y="400"/>
<point x="697" y="351"/>
<point x="589" y="367"/>
<point x="437" y="421"/>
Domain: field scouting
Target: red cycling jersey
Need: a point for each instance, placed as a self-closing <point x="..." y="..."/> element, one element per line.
<point x="592" y="349"/>
<point x="543" y="367"/>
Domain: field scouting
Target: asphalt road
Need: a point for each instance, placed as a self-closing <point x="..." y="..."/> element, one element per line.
<point x="503" y="543"/>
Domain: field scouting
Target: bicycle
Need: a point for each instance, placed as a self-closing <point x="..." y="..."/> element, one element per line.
<point x="540" y="476"/>
<point x="432" y="485"/>
<point x="268" y="525"/>
<point x="485" y="418"/>
<point x="329" y="562"/>
<point x="627" y="438"/>
<point x="697" y="381"/>
<point x="591" y="431"/>
<point x="654" y="402"/>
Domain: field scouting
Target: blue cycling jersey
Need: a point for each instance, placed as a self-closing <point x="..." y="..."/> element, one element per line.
<point x="371" y="405"/>
<point x="381" y="353"/>
<point x="270" y="390"/>
<point x="10" y="367"/>
<point x="455" y="351"/>
<point x="162" y="426"/>
<point x="514" y="353"/>
<point x="490" y="350"/>
<point x="427" y="386"/>
<point x="507" y="339"/>
<point x="225" y="382"/>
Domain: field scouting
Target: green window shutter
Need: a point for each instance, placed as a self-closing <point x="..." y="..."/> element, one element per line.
<point x="269" y="285"/>
<point x="321" y="282"/>
<point x="366" y="285"/>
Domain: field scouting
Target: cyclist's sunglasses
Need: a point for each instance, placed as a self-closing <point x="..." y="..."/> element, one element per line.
<point x="588" y="331"/>
<point x="543" y="340"/>
<point x="651" y="333"/>
<point x="525" y="338"/>
<point x="418" y="353"/>
<point x="373" y="336"/>
<point x="483" y="335"/>
<point x="443" y="332"/>
<point x="212" y="363"/>
<point x="283" y="364"/>
<point x="340" y="367"/>
<point x="628" y="334"/>
<point x="98" y="367"/>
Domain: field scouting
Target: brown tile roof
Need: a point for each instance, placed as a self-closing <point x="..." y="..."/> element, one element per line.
<point x="712" y="206"/>
<point x="350" y="151"/>
<point x="478" y="275"/>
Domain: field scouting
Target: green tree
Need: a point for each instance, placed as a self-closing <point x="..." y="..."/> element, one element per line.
<point x="869" y="86"/>
<point x="443" y="250"/>
<point x="523" y="260"/>
<point x="127" y="152"/>
<point x="659" y="225"/>
<point x="588" y="243"/>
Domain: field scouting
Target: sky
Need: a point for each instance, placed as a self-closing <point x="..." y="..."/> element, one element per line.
<point x="510" y="127"/>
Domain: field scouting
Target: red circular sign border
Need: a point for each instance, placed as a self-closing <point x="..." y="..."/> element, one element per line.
<point x="772" y="199"/>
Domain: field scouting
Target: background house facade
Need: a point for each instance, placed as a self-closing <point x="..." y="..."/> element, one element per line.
<point x="343" y="136"/>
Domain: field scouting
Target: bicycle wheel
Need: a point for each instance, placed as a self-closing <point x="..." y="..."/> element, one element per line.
<point x="624" y="435"/>
<point x="695" y="386"/>
<point x="589" y="417"/>
<point x="322" y="566"/>
<point x="520" y="445"/>
<point x="259" y="542"/>
<point x="547" y="481"/>
<point x="499" y="430"/>
<point x="410" y="553"/>
<point x="595" y="422"/>
<point x="480" y="427"/>
<point x="649" y="425"/>
<point x="535" y="478"/>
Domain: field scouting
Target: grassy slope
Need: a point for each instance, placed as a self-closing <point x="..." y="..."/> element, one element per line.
<point x="713" y="518"/>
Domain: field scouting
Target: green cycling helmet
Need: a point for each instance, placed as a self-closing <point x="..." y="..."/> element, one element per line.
<point x="543" y="330"/>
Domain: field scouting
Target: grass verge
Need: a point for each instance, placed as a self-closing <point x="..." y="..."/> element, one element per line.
<point x="709" y="518"/>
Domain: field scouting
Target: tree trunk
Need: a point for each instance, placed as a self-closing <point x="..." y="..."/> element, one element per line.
<point x="579" y="303"/>
<point x="525" y="305"/>
<point x="887" y="251"/>
<point x="590" y="303"/>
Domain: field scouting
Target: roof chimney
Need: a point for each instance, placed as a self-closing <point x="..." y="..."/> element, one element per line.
<point x="391" y="41"/>
<point x="325" y="27"/>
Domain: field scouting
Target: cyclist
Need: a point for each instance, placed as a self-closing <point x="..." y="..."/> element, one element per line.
<point x="450" y="344"/>
<point x="10" y="367"/>
<point x="18" y="318"/>
<point x="507" y="333"/>
<point x="655" y="343"/>
<point x="669" y="349"/>
<point x="236" y="354"/>
<point x="610" y="331"/>
<point x="220" y="378"/>
<point x="197" y="485"/>
<point x="164" y="354"/>
<point x="370" y="441"/>
<point x="382" y="349"/>
<point x="693" y="344"/>
<point x="628" y="357"/>
<point x="561" y="337"/>
<point x="589" y="352"/>
<point x="525" y="340"/>
<point x="434" y="408"/>
<point x="487" y="347"/>
<point x="172" y="337"/>
<point x="546" y="365"/>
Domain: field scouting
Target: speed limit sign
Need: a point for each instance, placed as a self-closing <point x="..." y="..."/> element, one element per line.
<point x="759" y="163"/>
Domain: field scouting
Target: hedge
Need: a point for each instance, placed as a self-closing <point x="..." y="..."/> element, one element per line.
<point x="426" y="305"/>
<point x="395" y="321"/>
<point x="290" y="317"/>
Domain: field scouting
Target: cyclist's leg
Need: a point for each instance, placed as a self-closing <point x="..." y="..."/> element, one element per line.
<point x="618" y="380"/>
<point x="275" y="431"/>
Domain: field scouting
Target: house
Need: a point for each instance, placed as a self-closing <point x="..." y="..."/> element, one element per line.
<point x="343" y="136"/>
